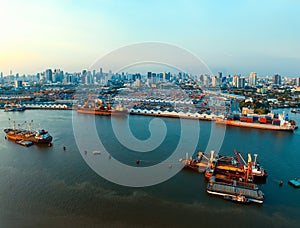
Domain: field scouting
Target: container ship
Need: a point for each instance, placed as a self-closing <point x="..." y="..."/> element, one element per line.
<point x="267" y="122"/>
<point x="38" y="137"/>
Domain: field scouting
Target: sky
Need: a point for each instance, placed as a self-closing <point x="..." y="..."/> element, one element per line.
<point x="232" y="36"/>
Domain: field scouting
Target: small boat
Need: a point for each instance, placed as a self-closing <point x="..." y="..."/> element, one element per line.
<point x="295" y="183"/>
<point x="238" y="198"/>
<point x="295" y="111"/>
<point x="24" y="143"/>
<point x="96" y="152"/>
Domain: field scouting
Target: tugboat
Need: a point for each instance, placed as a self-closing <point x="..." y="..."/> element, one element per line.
<point x="240" y="198"/>
<point x="38" y="136"/>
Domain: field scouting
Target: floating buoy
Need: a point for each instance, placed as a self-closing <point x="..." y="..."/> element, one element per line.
<point x="137" y="162"/>
<point x="280" y="183"/>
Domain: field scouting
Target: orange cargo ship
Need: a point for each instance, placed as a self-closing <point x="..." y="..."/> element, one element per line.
<point x="39" y="137"/>
<point x="94" y="111"/>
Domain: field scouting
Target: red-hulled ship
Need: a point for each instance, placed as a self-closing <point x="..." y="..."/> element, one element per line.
<point x="38" y="137"/>
<point x="282" y="123"/>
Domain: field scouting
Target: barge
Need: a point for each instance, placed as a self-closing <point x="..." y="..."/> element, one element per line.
<point x="251" y="193"/>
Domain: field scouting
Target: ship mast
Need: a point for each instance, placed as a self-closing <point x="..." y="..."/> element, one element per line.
<point x="249" y="168"/>
<point x="30" y="125"/>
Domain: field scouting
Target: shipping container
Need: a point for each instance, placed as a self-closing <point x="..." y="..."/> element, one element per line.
<point x="262" y="120"/>
<point x="255" y="118"/>
<point x="243" y="119"/>
<point x="250" y="120"/>
<point x="236" y="117"/>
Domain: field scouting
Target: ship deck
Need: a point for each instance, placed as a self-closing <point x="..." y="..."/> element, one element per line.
<point x="255" y="125"/>
<point x="216" y="188"/>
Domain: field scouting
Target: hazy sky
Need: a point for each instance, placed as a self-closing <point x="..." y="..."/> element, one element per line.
<point x="233" y="36"/>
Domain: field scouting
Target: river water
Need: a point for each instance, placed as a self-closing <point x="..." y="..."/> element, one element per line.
<point x="45" y="186"/>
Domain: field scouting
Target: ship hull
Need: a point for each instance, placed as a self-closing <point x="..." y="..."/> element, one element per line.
<point x="95" y="112"/>
<point x="255" y="125"/>
<point x="32" y="139"/>
<point x="27" y="136"/>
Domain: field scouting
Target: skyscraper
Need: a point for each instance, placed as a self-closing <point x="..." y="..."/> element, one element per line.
<point x="1" y="78"/>
<point x="277" y="79"/>
<point x="235" y="81"/>
<point x="252" y="79"/>
<point x="48" y="75"/>
<point x="297" y="81"/>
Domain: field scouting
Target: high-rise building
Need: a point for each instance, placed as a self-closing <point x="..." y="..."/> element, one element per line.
<point x="48" y="75"/>
<point x="220" y="75"/>
<point x="297" y="81"/>
<point x="235" y="81"/>
<point x="238" y="81"/>
<point x="253" y="79"/>
<point x="58" y="75"/>
<point x="18" y="83"/>
<point x="1" y="78"/>
<point x="241" y="83"/>
<point x="277" y="79"/>
<point x="214" y="81"/>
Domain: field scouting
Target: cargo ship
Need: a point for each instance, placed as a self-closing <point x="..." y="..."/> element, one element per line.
<point x="229" y="167"/>
<point x="95" y="107"/>
<point x="38" y="137"/>
<point x="268" y="122"/>
<point x="200" y="163"/>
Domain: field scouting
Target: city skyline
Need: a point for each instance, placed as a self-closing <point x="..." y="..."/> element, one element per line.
<point x="232" y="37"/>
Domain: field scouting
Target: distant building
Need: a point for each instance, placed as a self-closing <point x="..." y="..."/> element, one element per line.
<point x="253" y="79"/>
<point x="214" y="81"/>
<point x="297" y="81"/>
<point x="18" y="84"/>
<point x="235" y="81"/>
<point x="48" y="75"/>
<point x="137" y="83"/>
<point x="58" y="75"/>
<point x="1" y="78"/>
<point x="238" y="81"/>
<point x="277" y="79"/>
<point x="220" y="75"/>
